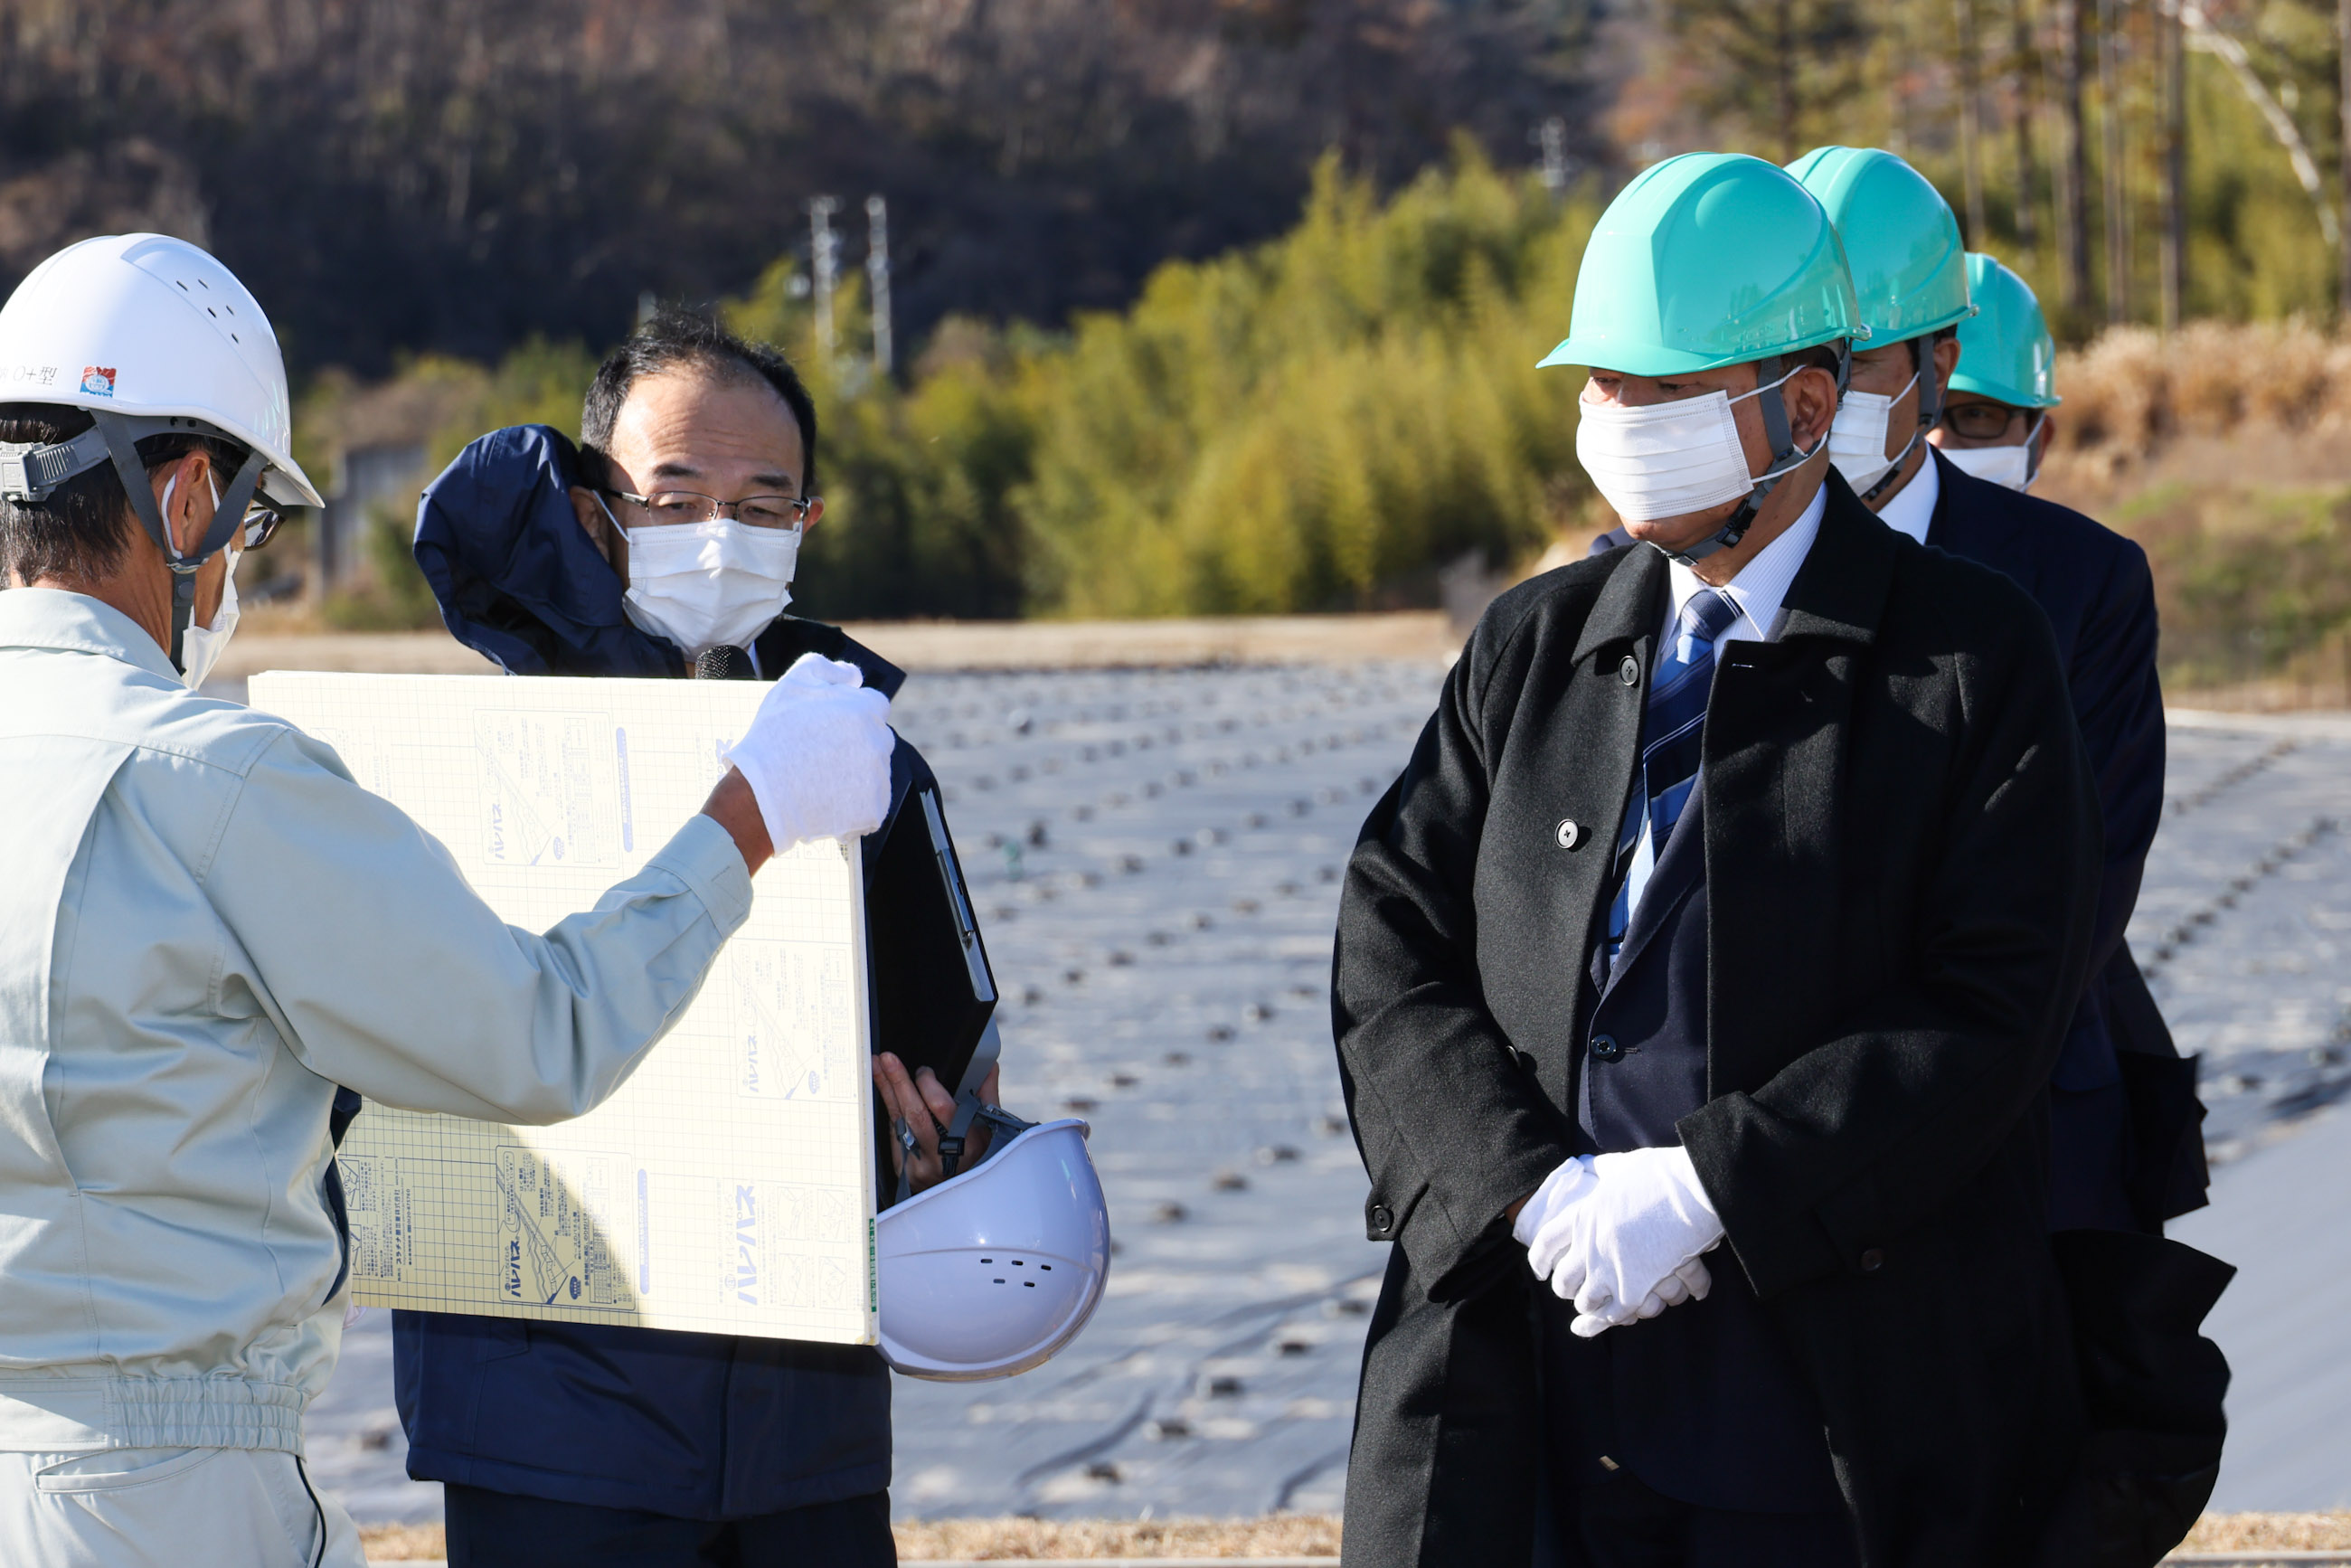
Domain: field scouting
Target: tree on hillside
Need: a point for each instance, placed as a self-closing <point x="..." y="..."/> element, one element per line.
<point x="1782" y="69"/>
<point x="402" y="175"/>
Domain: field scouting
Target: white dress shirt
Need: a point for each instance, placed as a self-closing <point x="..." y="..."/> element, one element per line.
<point x="1912" y="509"/>
<point x="1757" y="591"/>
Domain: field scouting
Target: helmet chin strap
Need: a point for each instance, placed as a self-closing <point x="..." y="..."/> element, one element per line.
<point x="228" y="516"/>
<point x="1930" y="409"/>
<point x="1786" y="456"/>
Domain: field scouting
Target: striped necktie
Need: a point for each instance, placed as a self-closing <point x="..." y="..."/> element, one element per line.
<point x="1672" y="734"/>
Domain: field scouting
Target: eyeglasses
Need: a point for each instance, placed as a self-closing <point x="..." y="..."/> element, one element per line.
<point x="691" y="507"/>
<point x="261" y="521"/>
<point x="1980" y="421"/>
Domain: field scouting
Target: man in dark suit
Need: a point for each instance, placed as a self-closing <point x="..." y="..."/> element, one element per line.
<point x="1903" y="245"/>
<point x="1955" y="340"/>
<point x="1698" y="982"/>
<point x="2125" y="1116"/>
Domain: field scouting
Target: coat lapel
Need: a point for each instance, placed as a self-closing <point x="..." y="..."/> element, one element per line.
<point x="1580" y="766"/>
<point x="1773" y="776"/>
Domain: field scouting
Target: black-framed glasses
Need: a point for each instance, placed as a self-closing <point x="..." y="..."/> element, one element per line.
<point x="693" y="507"/>
<point x="1980" y="421"/>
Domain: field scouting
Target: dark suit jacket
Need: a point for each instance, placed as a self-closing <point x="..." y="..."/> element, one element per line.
<point x="2095" y="587"/>
<point x="1900" y="853"/>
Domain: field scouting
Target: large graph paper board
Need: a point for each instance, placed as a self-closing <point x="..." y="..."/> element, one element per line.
<point x="727" y="1186"/>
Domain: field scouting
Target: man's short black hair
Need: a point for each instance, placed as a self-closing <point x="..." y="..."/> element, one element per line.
<point x="675" y="337"/>
<point x="81" y="531"/>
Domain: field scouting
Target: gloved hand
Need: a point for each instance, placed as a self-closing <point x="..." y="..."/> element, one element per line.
<point x="1546" y="1221"/>
<point x="1690" y="1282"/>
<point x="817" y="755"/>
<point x="1645" y="1217"/>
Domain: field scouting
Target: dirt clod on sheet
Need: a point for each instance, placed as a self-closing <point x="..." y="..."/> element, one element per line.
<point x="402" y="1542"/>
<point x="1032" y="1539"/>
<point x="2262" y="1532"/>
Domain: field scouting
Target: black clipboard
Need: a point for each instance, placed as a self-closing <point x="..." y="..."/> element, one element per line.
<point x="934" y="994"/>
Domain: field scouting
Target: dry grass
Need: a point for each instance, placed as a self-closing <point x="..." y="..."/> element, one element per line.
<point x="1027" y="1540"/>
<point x="2269" y="1531"/>
<point x="1031" y="1539"/>
<point x="2131" y="390"/>
<point x="1012" y="1540"/>
<point x="402" y="1542"/>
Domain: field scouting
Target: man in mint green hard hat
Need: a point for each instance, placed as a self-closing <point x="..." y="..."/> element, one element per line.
<point x="1697" y="983"/>
<point x="1909" y="277"/>
<point x="1996" y="420"/>
<point x="1958" y="345"/>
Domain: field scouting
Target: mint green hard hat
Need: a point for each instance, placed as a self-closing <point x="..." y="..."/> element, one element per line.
<point x="2005" y="353"/>
<point x="1708" y="259"/>
<point x="1901" y="241"/>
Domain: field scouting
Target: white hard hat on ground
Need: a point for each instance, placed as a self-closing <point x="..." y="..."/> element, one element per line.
<point x="151" y="337"/>
<point x="992" y="1271"/>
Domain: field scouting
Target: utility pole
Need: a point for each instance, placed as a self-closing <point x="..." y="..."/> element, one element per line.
<point x="2173" y="36"/>
<point x="2073" y="164"/>
<point x="2110" y="126"/>
<point x="2028" y="196"/>
<point x="877" y="279"/>
<point x="824" y="261"/>
<point x="1970" y="120"/>
<point x="1552" y="137"/>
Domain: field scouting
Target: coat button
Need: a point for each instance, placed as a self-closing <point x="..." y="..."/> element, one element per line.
<point x="1570" y="833"/>
<point x="1629" y="672"/>
<point x="1382" y="1220"/>
<point x="1606" y="1049"/>
<point x="1872" y="1261"/>
<point x="1525" y="1059"/>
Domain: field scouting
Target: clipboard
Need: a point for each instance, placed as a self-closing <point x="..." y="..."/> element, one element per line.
<point x="933" y="991"/>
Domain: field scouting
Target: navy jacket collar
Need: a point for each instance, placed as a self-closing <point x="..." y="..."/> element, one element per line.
<point x="520" y="582"/>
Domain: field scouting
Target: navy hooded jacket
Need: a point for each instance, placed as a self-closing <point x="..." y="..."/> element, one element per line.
<point x="693" y="1425"/>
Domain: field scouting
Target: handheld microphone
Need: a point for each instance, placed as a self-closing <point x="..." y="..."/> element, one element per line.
<point x="723" y="663"/>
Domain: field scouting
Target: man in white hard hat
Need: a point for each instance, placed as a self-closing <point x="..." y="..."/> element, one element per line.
<point x="206" y="927"/>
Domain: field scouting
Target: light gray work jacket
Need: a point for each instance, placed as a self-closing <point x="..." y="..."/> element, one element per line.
<point x="204" y="927"/>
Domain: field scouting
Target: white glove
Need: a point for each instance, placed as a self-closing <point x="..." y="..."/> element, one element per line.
<point x="1645" y="1217"/>
<point x="817" y="755"/>
<point x="1690" y="1282"/>
<point x="1546" y="1221"/>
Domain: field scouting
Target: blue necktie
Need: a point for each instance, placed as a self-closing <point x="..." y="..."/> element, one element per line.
<point x="1673" y="733"/>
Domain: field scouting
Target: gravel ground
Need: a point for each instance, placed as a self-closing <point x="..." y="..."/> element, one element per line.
<point x="1154" y="853"/>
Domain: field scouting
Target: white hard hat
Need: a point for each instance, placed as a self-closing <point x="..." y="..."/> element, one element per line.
<point x="149" y="327"/>
<point x="992" y="1271"/>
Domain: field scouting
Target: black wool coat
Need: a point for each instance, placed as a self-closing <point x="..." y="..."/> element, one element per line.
<point x="1902" y="863"/>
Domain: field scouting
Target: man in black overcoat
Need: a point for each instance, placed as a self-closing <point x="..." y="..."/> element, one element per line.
<point x="1765" y="1003"/>
<point x="2126" y="1126"/>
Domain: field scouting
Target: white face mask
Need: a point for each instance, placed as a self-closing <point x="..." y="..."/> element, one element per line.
<point x="201" y="646"/>
<point x="1857" y="439"/>
<point x="710" y="584"/>
<point x="1669" y="459"/>
<point x="2008" y="465"/>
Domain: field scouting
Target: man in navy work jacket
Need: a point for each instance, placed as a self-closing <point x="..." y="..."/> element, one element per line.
<point x="2127" y="1151"/>
<point x="670" y="538"/>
